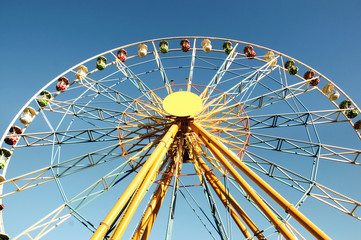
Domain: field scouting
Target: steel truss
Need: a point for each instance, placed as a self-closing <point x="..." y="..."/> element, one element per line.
<point x="108" y="134"/>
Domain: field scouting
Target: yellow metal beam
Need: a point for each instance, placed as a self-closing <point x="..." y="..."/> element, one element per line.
<point x="136" y="199"/>
<point x="288" y="207"/>
<point x="279" y="225"/>
<point x="110" y="218"/>
<point x="223" y="198"/>
<point x="227" y="200"/>
<point x="152" y="210"/>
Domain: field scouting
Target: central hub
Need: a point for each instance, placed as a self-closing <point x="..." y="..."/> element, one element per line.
<point x="182" y="104"/>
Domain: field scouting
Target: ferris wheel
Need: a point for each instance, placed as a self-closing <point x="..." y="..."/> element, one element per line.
<point x="182" y="137"/>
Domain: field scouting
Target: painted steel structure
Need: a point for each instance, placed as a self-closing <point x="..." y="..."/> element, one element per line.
<point x="109" y="133"/>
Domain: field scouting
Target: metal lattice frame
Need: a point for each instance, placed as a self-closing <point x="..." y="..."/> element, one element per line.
<point x="117" y="116"/>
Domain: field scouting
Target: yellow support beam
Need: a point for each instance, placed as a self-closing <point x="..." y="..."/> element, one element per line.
<point x="288" y="207"/>
<point x="136" y="199"/>
<point x="200" y="169"/>
<point x="279" y="225"/>
<point x="222" y="193"/>
<point x="162" y="146"/>
<point x="151" y="212"/>
<point x="229" y="202"/>
<point x="154" y="207"/>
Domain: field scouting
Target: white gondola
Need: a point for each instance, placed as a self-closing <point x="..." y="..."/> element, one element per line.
<point x="81" y="72"/>
<point x="28" y="115"/>
<point x="330" y="92"/>
<point x="270" y="56"/>
<point x="142" y="50"/>
<point x="206" y="45"/>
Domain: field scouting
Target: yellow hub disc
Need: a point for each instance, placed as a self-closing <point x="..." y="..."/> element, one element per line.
<point x="182" y="104"/>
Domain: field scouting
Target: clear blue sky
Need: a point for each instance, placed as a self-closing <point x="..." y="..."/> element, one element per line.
<point x="41" y="39"/>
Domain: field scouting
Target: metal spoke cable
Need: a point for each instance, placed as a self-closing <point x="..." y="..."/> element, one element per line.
<point x="200" y="208"/>
<point x="229" y="220"/>
<point x="195" y="212"/>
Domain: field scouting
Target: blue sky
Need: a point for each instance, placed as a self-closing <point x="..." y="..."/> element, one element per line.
<point x="45" y="39"/>
<point x="41" y="39"/>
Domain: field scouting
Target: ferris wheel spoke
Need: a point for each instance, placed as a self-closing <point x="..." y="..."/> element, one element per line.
<point x="86" y="112"/>
<point x="141" y="181"/>
<point x="110" y="93"/>
<point x="262" y="205"/>
<point x="305" y="148"/>
<point x="120" y="97"/>
<point x="151" y="109"/>
<point x="220" y="73"/>
<point x="234" y="134"/>
<point x="275" y="96"/>
<point x="88" y="160"/>
<point x="140" y="151"/>
<point x="250" y="200"/>
<point x="134" y="79"/>
<point x="77" y="136"/>
<point x="100" y="186"/>
<point x="161" y="69"/>
<point x="190" y="78"/>
<point x="27" y="181"/>
<point x="109" y="180"/>
<point x="126" y="100"/>
<point x="212" y="204"/>
<point x="89" y="112"/>
<point x="69" y="107"/>
<point x="242" y="87"/>
<point x="208" y="155"/>
<point x="67" y="167"/>
<point x="195" y="211"/>
<point x="94" y="85"/>
<point x="302" y="184"/>
<point x="69" y="137"/>
<point x="104" y="114"/>
<point x="150" y="213"/>
<point x="296" y="119"/>
<point x="230" y="116"/>
<point x="219" y="149"/>
<point x="245" y="87"/>
<point x="216" y="109"/>
<point x="277" y="172"/>
<point x="46" y="224"/>
<point x="336" y="200"/>
<point x="225" y="197"/>
<point x="90" y="193"/>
